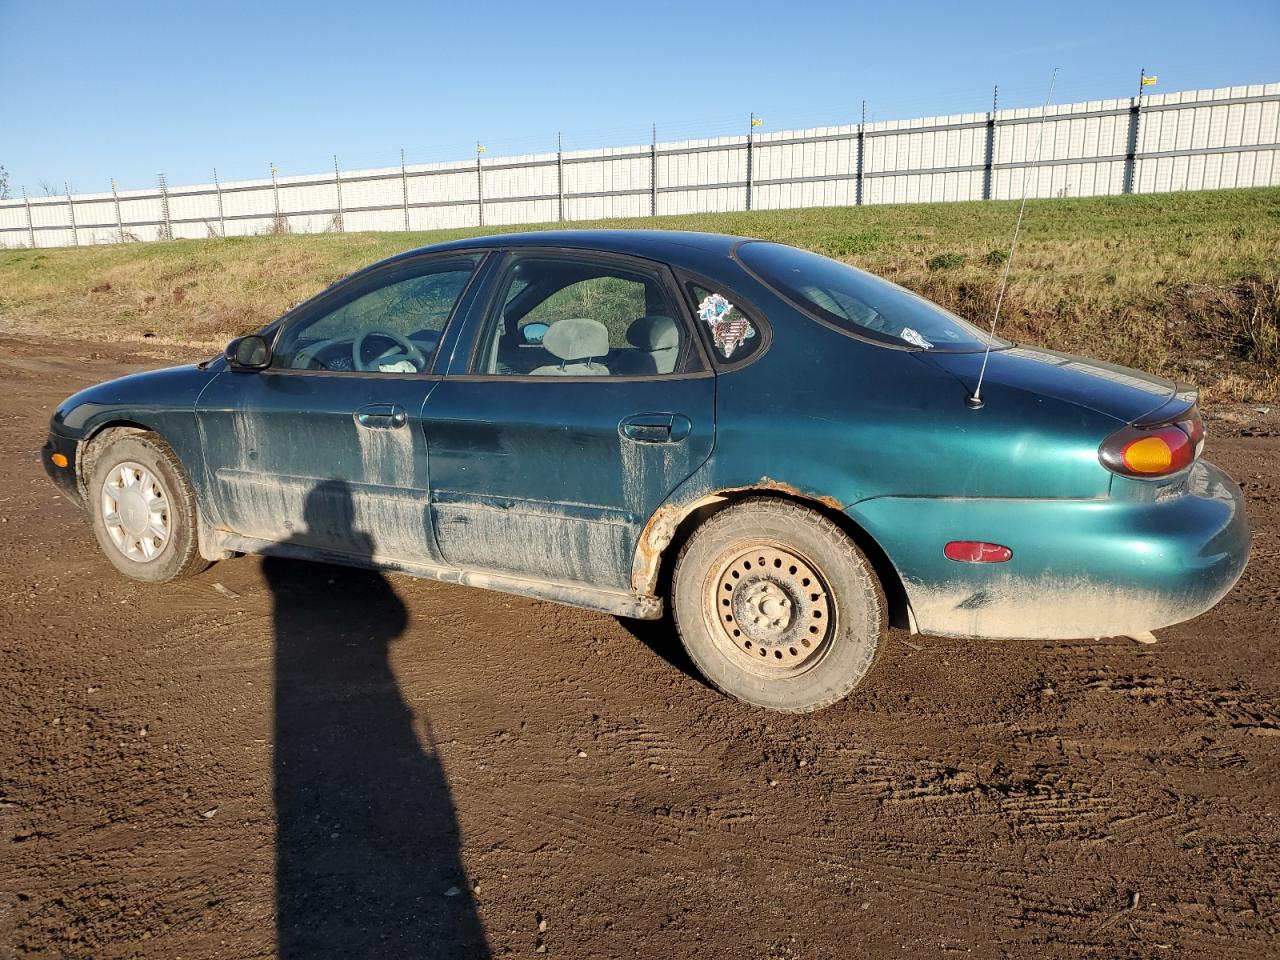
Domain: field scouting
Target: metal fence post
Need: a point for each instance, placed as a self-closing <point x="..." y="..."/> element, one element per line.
<point x="31" y="230"/>
<point x="276" y="224"/>
<point x="167" y="234"/>
<point x="71" y="213"/>
<point x="222" y="220"/>
<point x="987" y="185"/>
<point x="751" y="136"/>
<point x="1131" y="151"/>
<point x="119" y="220"/>
<point x="337" y="179"/>
<point x="653" y="172"/>
<point x="560" y="177"/>
<point x="862" y="153"/>
<point x="479" y="185"/>
<point x="404" y="190"/>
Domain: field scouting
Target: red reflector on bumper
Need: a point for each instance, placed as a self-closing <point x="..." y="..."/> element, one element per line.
<point x="976" y="551"/>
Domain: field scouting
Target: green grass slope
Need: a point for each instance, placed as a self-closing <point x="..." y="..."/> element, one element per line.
<point x="1186" y="285"/>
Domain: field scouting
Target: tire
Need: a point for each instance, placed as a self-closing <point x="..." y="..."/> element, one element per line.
<point x="129" y="533"/>
<point x="777" y="607"/>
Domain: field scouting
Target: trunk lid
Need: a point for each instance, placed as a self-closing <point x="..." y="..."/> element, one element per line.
<point x="1106" y="388"/>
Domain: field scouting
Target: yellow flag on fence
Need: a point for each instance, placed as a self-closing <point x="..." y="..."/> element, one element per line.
<point x="1150" y="81"/>
<point x="757" y="122"/>
<point x="479" y="149"/>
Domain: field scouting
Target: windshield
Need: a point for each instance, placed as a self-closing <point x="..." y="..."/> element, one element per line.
<point x="859" y="303"/>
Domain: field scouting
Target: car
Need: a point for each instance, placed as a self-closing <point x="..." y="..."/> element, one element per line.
<point x="787" y="453"/>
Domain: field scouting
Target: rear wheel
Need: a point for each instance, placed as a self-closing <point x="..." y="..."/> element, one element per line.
<point x="777" y="606"/>
<point x="143" y="509"/>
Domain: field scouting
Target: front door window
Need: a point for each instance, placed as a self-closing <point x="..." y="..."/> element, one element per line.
<point x="390" y="323"/>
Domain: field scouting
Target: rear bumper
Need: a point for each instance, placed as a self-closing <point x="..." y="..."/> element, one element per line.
<point x="64" y="478"/>
<point x="1146" y="557"/>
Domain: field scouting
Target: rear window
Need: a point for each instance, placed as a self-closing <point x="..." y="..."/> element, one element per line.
<point x="858" y="303"/>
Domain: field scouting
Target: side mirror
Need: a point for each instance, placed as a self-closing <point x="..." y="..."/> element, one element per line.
<point x="534" y="332"/>
<point x="248" y="353"/>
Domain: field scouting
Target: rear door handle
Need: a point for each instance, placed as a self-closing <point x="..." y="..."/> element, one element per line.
<point x="381" y="416"/>
<point x="656" y="427"/>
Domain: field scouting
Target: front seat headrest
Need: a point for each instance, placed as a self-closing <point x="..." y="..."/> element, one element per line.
<point x="576" y="338"/>
<point x="576" y="342"/>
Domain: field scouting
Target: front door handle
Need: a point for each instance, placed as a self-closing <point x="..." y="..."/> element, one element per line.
<point x="381" y="416"/>
<point x="656" y="427"/>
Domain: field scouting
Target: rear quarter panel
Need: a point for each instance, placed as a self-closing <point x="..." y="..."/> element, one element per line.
<point x="843" y="420"/>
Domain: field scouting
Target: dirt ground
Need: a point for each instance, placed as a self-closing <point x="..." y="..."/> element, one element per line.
<point x="281" y="758"/>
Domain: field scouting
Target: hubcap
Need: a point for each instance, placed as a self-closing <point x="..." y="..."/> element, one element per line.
<point x="135" y="511"/>
<point x="769" y="610"/>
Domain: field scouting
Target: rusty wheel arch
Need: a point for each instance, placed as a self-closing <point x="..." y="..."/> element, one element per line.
<point x="671" y="526"/>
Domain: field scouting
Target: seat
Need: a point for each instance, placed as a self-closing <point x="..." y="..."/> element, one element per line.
<point x="659" y="338"/>
<point x="575" y="342"/>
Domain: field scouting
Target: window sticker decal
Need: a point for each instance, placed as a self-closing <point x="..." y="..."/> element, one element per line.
<point x="728" y="332"/>
<point x="914" y="338"/>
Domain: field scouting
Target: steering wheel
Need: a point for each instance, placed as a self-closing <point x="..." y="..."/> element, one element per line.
<point x="408" y="350"/>
<point x="304" y="357"/>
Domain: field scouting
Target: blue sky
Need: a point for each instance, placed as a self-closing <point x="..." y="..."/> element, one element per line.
<point x="130" y="89"/>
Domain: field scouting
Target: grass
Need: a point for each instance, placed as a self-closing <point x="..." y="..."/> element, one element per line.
<point x="1186" y="285"/>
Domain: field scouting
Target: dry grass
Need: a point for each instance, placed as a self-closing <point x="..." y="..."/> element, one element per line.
<point x="1187" y="285"/>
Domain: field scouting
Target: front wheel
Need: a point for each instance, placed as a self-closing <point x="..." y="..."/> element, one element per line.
<point x="777" y="606"/>
<point x="143" y="509"/>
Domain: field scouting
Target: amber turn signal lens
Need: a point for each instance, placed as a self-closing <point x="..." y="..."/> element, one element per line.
<point x="1158" y="452"/>
<point x="976" y="551"/>
<point x="59" y="459"/>
<point x="1154" y="451"/>
<point x="1148" y="455"/>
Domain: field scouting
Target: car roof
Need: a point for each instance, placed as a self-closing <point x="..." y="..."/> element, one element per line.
<point x="654" y="244"/>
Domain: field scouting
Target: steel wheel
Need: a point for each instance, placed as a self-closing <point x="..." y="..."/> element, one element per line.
<point x="135" y="511"/>
<point x="769" y="609"/>
<point x="777" y="606"/>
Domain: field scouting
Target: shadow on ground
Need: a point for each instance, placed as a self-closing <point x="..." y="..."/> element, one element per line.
<point x="661" y="637"/>
<point x="367" y="860"/>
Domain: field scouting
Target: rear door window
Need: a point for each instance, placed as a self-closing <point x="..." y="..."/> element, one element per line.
<point x="579" y="316"/>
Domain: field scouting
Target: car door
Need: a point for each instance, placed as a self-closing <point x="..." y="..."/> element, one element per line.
<point x="585" y="401"/>
<point x="325" y="448"/>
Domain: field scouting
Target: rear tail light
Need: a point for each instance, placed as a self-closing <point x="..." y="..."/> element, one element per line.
<point x="1193" y="427"/>
<point x="1156" y="449"/>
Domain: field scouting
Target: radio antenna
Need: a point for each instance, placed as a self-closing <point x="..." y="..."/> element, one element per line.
<point x="974" y="401"/>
